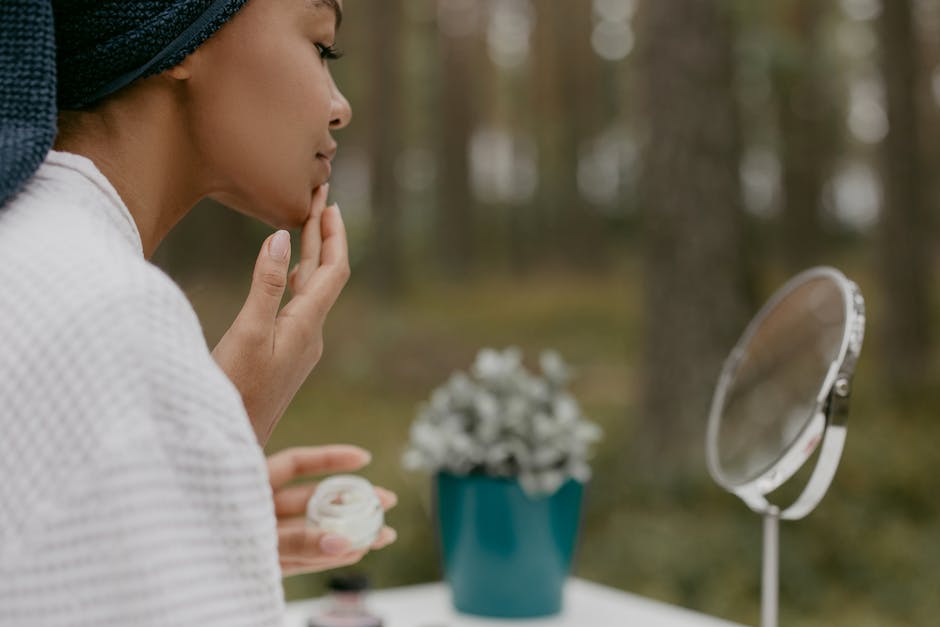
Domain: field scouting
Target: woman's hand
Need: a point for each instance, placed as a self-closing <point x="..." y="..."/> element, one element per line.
<point x="268" y="352"/>
<point x="303" y="549"/>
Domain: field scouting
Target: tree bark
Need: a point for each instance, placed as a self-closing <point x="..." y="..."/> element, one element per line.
<point x="455" y="211"/>
<point x="803" y="123"/>
<point x="905" y="226"/>
<point x="385" y="267"/>
<point x="568" y="95"/>
<point x="694" y="266"/>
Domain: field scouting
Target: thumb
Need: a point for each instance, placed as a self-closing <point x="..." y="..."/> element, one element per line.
<point x="269" y="278"/>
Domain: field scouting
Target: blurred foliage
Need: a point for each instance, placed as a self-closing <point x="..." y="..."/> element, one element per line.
<point x="550" y="254"/>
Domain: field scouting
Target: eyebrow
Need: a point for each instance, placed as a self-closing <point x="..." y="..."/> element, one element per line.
<point x="313" y="5"/>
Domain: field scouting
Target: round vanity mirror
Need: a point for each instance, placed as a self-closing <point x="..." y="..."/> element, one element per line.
<point x="783" y="394"/>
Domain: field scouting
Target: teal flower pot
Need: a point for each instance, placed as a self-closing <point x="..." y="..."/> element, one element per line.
<point x="505" y="554"/>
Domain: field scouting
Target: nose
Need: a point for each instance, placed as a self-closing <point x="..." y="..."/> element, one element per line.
<point x="341" y="111"/>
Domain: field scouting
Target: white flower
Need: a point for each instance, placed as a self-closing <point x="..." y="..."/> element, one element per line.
<point x="462" y="390"/>
<point x="538" y="390"/>
<point x="566" y="409"/>
<point x="425" y="437"/>
<point x="440" y="400"/>
<point x="486" y="405"/>
<point x="554" y="368"/>
<point x="541" y="482"/>
<point x="493" y="366"/>
<point x="544" y="428"/>
<point x="587" y="432"/>
<point x="548" y="457"/>
<point x="502" y="420"/>
<point x="579" y="471"/>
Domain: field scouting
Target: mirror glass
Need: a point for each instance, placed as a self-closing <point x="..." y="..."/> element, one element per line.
<point x="773" y="393"/>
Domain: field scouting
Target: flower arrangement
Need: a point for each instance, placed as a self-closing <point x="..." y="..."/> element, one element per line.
<point x="501" y="420"/>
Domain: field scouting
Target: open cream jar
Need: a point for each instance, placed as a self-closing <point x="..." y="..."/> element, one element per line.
<point x="348" y="506"/>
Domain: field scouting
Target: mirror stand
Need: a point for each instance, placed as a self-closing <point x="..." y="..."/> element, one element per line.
<point x="770" y="565"/>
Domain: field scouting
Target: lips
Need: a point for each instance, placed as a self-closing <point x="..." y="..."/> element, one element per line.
<point x="330" y="153"/>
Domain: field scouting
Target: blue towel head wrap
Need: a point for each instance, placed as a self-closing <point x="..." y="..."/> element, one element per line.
<point x="70" y="54"/>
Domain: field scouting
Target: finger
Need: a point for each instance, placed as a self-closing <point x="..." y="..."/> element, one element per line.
<point x="300" y="567"/>
<point x="268" y="280"/>
<point x="292" y="500"/>
<point x="292" y="279"/>
<point x="333" y="544"/>
<point x="389" y="499"/>
<point x="386" y="537"/>
<point x="314" y="297"/>
<point x="334" y="250"/>
<point x="301" y="538"/>
<point x="310" y="239"/>
<point x="296" y="541"/>
<point x="309" y="543"/>
<point x="295" y="522"/>
<point x="301" y="461"/>
<point x="296" y="566"/>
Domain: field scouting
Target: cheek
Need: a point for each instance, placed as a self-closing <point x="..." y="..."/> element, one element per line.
<point x="264" y="119"/>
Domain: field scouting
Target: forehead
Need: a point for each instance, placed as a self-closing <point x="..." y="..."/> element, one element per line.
<point x="334" y="5"/>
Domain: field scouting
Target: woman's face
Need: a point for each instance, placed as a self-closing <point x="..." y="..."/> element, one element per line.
<point x="262" y="103"/>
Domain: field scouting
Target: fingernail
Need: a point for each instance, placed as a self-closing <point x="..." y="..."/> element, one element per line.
<point x="279" y="246"/>
<point x="334" y="544"/>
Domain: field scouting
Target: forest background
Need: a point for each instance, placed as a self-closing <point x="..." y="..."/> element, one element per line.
<point x="627" y="181"/>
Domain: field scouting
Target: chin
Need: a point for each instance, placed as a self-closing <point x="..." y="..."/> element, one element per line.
<point x="276" y="212"/>
<point x="284" y="217"/>
<point x="294" y="222"/>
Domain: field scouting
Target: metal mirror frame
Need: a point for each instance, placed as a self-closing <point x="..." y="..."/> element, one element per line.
<point x="829" y="415"/>
<point x="827" y="426"/>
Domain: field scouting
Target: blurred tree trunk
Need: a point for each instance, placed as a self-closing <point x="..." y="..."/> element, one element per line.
<point x="544" y="122"/>
<point x="803" y="124"/>
<point x="569" y="110"/>
<point x="459" y="52"/>
<point x="385" y="262"/>
<point x="522" y="218"/>
<point x="905" y="221"/>
<point x="581" y="120"/>
<point x="494" y="214"/>
<point x="507" y="99"/>
<point x="694" y="266"/>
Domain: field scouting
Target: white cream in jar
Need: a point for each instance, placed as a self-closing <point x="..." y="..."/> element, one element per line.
<point x="347" y="505"/>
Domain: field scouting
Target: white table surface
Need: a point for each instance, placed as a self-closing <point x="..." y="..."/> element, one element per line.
<point x="586" y="604"/>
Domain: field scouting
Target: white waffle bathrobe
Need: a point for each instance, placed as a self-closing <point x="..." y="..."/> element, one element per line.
<point x="132" y="489"/>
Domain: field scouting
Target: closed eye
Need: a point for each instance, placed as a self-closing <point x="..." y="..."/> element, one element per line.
<point x="328" y="52"/>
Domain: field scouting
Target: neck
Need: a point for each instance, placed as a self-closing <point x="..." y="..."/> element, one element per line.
<point x="139" y="142"/>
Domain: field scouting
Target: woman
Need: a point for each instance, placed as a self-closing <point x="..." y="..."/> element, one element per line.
<point x="133" y="488"/>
